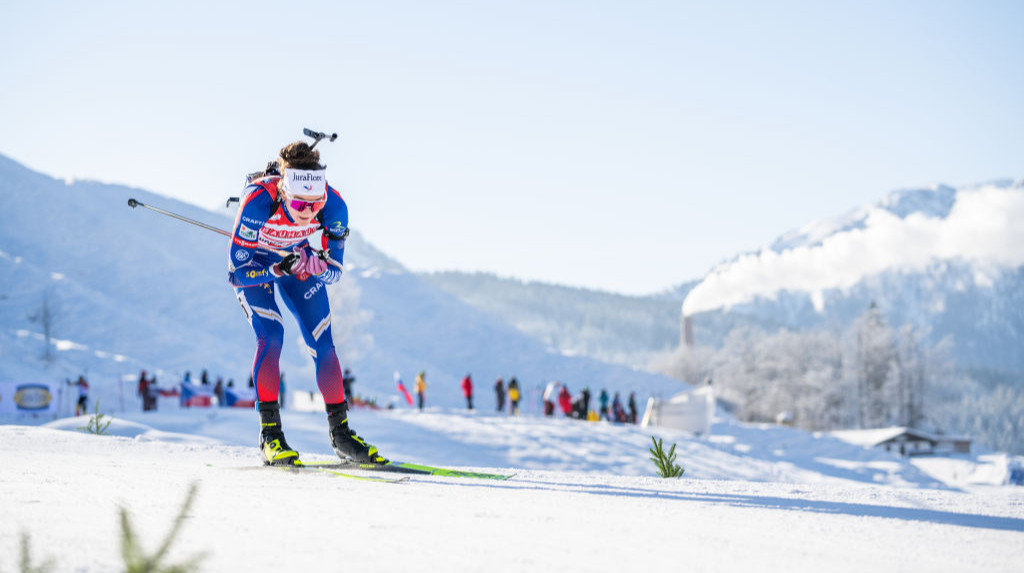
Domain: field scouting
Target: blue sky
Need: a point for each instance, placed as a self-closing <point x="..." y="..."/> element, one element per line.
<point x="626" y="146"/>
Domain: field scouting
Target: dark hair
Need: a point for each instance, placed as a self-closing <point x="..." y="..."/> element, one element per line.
<point x="299" y="155"/>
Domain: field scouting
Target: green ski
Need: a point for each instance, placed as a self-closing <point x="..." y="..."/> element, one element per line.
<point x="407" y="468"/>
<point x="315" y="467"/>
<point x="303" y="466"/>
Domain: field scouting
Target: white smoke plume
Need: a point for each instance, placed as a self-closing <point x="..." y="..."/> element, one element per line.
<point x="985" y="226"/>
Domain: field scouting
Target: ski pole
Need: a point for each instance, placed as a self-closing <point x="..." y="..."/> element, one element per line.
<point x="133" y="204"/>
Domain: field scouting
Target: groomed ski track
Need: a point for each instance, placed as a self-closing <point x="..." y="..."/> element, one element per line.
<point x="65" y="488"/>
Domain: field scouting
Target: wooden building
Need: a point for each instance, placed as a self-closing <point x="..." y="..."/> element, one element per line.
<point x="907" y="441"/>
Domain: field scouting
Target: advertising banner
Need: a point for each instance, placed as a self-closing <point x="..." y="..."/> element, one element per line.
<point x="240" y="397"/>
<point x="196" y="395"/>
<point x="39" y="398"/>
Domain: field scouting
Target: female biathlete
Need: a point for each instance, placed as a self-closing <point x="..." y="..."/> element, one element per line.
<point x="280" y="210"/>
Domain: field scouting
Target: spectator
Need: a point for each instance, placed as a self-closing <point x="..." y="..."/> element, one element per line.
<point x="585" y="398"/>
<point x="347" y="380"/>
<point x="602" y="398"/>
<point x="550" y="395"/>
<point x="204" y="378"/>
<point x="143" y="391"/>
<point x="577" y="407"/>
<point x="565" y="401"/>
<point x="581" y="405"/>
<point x="218" y="391"/>
<point x="83" y="395"/>
<point x="513" y="396"/>
<point x="467" y="391"/>
<point x="499" y="394"/>
<point x="618" y="412"/>
<point x="154" y="391"/>
<point x="421" y="387"/>
<point x="632" y="407"/>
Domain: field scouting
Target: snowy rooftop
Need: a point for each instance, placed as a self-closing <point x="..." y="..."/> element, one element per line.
<point x="873" y="437"/>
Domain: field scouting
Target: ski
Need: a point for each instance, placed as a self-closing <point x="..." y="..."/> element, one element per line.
<point x="407" y="468"/>
<point x="303" y="466"/>
<point x="314" y="467"/>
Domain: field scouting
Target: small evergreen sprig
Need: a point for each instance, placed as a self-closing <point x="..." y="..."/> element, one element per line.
<point x="96" y="424"/>
<point x="136" y="561"/>
<point x="665" y="462"/>
<point x="25" y="561"/>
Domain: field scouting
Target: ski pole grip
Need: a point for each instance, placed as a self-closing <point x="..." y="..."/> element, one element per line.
<point x="133" y="203"/>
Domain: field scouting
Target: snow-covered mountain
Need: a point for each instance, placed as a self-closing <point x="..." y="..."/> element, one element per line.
<point x="945" y="259"/>
<point x="125" y="289"/>
<point x="948" y="260"/>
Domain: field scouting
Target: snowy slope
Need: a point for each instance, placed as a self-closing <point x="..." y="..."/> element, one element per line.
<point x="616" y="328"/>
<point x="568" y="507"/>
<point x="483" y="438"/>
<point x="947" y="260"/>
<point x="130" y="289"/>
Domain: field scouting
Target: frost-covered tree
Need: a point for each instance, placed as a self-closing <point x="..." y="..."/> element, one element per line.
<point x="687" y="364"/>
<point x="767" y="374"/>
<point x="46" y="317"/>
<point x="820" y="398"/>
<point x="873" y="361"/>
<point x="869" y="375"/>
<point x="994" y="417"/>
<point x="736" y="377"/>
<point x="911" y="370"/>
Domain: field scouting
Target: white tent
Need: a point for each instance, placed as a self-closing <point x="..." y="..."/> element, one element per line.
<point x="691" y="411"/>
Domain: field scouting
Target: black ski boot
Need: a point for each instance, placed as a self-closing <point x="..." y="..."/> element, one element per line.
<point x="344" y="440"/>
<point x="275" y="450"/>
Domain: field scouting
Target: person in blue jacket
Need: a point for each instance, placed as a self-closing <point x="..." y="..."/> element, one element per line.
<point x="289" y="239"/>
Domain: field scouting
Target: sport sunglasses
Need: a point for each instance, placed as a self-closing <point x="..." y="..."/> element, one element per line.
<point x="299" y="205"/>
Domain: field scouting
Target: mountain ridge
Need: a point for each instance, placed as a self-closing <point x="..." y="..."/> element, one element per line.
<point x="130" y="289"/>
<point x="920" y="266"/>
<point x="974" y="302"/>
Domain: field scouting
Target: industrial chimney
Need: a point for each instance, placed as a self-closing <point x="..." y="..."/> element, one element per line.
<point x="687" y="332"/>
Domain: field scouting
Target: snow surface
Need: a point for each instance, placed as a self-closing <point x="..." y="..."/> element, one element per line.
<point x="583" y="497"/>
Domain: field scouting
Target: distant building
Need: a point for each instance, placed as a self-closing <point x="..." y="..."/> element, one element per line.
<point x="907" y="441"/>
<point x="691" y="411"/>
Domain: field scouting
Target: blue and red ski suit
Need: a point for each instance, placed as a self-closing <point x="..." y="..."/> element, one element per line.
<point x="262" y="226"/>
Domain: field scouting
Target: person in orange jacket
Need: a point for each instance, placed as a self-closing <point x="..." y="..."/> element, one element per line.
<point x="421" y="388"/>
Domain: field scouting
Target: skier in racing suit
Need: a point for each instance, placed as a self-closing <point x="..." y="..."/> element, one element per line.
<point x="289" y="238"/>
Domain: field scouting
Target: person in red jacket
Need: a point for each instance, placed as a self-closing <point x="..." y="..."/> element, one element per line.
<point x="467" y="390"/>
<point x="565" y="401"/>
